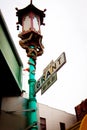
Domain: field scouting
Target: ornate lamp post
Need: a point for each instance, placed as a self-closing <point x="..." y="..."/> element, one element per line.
<point x="30" y="18"/>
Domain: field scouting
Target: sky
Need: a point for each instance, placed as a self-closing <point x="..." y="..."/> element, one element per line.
<point x="65" y="30"/>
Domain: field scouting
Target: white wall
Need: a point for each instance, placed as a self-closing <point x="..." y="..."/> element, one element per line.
<point x="54" y="117"/>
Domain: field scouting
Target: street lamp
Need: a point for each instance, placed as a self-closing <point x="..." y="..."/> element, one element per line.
<point x="31" y="18"/>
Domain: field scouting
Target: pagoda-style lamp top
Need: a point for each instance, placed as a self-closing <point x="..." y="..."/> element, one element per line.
<point x="30" y="18"/>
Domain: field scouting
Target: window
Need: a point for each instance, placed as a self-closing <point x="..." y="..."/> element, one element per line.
<point x="42" y="123"/>
<point x="62" y="126"/>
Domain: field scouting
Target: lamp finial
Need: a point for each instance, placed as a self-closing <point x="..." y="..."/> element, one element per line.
<point x="30" y="1"/>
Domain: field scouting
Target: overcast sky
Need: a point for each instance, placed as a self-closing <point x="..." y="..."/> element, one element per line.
<point x="65" y="31"/>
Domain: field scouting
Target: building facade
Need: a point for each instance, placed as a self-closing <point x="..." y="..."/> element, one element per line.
<point x="10" y="80"/>
<point x="81" y="114"/>
<point x="10" y="64"/>
<point x="54" y="119"/>
<point x="13" y="113"/>
<point x="81" y="110"/>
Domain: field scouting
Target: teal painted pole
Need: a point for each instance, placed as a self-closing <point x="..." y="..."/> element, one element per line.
<point x="32" y="103"/>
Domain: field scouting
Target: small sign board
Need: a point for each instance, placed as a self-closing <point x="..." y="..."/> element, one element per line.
<point x="48" y="82"/>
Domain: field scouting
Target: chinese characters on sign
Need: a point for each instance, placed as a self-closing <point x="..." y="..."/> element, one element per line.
<point x="48" y="82"/>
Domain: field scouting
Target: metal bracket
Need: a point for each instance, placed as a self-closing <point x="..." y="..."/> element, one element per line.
<point x="33" y="125"/>
<point x="26" y="110"/>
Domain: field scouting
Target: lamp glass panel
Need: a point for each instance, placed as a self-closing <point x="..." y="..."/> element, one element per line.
<point x="27" y="23"/>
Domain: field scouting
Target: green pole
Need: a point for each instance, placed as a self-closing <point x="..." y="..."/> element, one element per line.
<point x="32" y="103"/>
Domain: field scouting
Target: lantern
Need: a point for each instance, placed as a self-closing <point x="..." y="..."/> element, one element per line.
<point x="31" y="18"/>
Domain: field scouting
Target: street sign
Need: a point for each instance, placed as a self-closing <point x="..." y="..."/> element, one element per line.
<point x="51" y="68"/>
<point x="48" y="82"/>
<point x="55" y="66"/>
